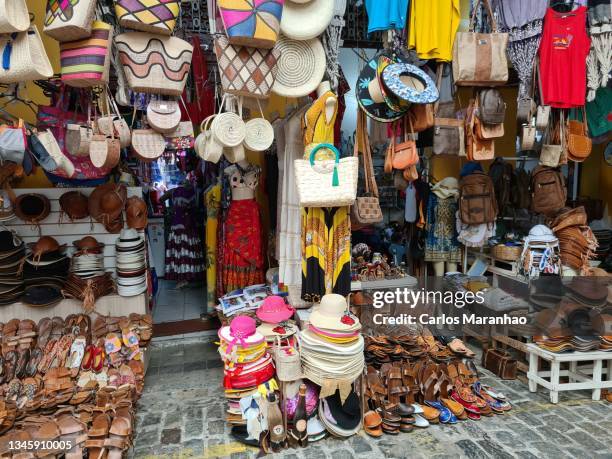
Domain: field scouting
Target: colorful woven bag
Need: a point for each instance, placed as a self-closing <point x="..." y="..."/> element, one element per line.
<point x="155" y="16"/>
<point x="86" y="63"/>
<point x="254" y="23"/>
<point x="69" y="20"/>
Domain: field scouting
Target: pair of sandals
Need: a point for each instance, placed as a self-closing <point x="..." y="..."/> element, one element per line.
<point x="110" y="437"/>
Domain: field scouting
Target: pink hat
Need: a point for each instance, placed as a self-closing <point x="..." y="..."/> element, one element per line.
<point x="274" y="310"/>
<point x="242" y="330"/>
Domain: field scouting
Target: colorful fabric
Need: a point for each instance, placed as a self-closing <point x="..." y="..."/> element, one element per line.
<point x="326" y="252"/>
<point x="213" y="207"/>
<point x="85" y="59"/>
<point x="441" y="243"/>
<point x="317" y="128"/>
<point x="432" y="29"/>
<point x="243" y="260"/>
<point x="60" y="9"/>
<point x="252" y="18"/>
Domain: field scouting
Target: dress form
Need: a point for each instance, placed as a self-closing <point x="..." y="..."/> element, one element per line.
<point x="331" y="104"/>
<point x="319" y="121"/>
<point x="243" y="178"/>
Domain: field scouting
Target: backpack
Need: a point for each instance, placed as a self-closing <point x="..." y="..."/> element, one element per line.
<point x="491" y="106"/>
<point x="502" y="176"/>
<point x="477" y="202"/>
<point x="548" y="192"/>
<point x="521" y="196"/>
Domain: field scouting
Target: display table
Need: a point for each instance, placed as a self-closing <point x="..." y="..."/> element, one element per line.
<point x="497" y="267"/>
<point x="585" y="371"/>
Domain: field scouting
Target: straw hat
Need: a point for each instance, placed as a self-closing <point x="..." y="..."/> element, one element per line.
<point x="333" y="314"/>
<point x="370" y="95"/>
<point x="301" y="67"/>
<point x="306" y="19"/>
<point x="242" y="331"/>
<point x="282" y="330"/>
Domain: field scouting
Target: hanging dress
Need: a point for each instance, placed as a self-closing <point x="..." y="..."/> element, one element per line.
<point x="326" y="232"/>
<point x="243" y="260"/>
<point x="441" y="243"/>
<point x="184" y="249"/>
<point x="213" y="207"/>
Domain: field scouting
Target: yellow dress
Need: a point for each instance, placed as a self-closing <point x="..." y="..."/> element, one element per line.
<point x="432" y="29"/>
<point x="326" y="232"/>
<point x="213" y="206"/>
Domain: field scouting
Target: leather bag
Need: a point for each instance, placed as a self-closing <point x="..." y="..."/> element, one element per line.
<point x="491" y="107"/>
<point x="548" y="191"/>
<point x="366" y="210"/>
<point x="478" y="148"/>
<point x="477" y="203"/>
<point x="404" y="154"/>
<point x="479" y="59"/>
<point x="550" y="154"/>
<point x="499" y="363"/>
<point x="579" y="145"/>
<point x="448" y="133"/>
<point x="528" y="137"/>
<point x="421" y="116"/>
<point x="525" y="109"/>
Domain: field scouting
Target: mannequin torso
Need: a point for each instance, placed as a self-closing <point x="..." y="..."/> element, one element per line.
<point x="243" y="178"/>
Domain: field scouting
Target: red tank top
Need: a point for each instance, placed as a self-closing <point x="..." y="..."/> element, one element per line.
<point x="563" y="51"/>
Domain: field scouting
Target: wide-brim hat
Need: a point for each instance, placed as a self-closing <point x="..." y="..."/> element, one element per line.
<point x="32" y="207"/>
<point x="370" y="96"/>
<point x="136" y="213"/>
<point x="409" y="83"/>
<point x="346" y="417"/>
<point x="305" y="20"/>
<point x="106" y="204"/>
<point x="74" y="204"/>
<point x="282" y="330"/>
<point x="394" y="103"/>
<point x="128" y="238"/>
<point x="42" y="295"/>
<point x="88" y="243"/>
<point x="274" y="310"/>
<point x="131" y="291"/>
<point x="300" y="67"/>
<point x="333" y="314"/>
<point x="241" y="331"/>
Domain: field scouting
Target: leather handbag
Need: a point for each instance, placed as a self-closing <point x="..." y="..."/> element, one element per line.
<point x="422" y="116"/>
<point x="550" y="153"/>
<point x="579" y="145"/>
<point x="525" y="109"/>
<point x="404" y="154"/>
<point x="366" y="210"/>
<point x="528" y="137"/>
<point x="478" y="148"/>
<point x="479" y="59"/>
<point x="499" y="363"/>
<point x="326" y="183"/>
<point x="491" y="106"/>
<point x="542" y="117"/>
<point x="237" y="65"/>
<point x="483" y="129"/>
<point x="449" y="137"/>
<point x="411" y="174"/>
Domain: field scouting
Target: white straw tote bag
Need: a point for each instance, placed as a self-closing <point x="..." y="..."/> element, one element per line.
<point x="69" y="20"/>
<point x="154" y="64"/>
<point x="228" y="127"/>
<point x="327" y="183"/>
<point x="287" y="360"/>
<point x="206" y="145"/>
<point x="14" y="16"/>
<point x="163" y="116"/>
<point x="259" y="133"/>
<point x="24" y="57"/>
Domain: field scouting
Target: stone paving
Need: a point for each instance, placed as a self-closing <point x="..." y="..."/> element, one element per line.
<point x="181" y="415"/>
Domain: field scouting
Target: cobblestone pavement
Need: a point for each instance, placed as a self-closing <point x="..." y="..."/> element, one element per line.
<point x="180" y="415"/>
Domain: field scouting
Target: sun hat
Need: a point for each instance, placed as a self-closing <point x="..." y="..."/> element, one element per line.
<point x="370" y="96"/>
<point x="542" y="234"/>
<point x="300" y="67"/>
<point x="274" y="310"/>
<point x="282" y="330"/>
<point x="394" y="103"/>
<point x="409" y="83"/>
<point x="128" y="237"/>
<point x="9" y="242"/>
<point x="242" y="331"/>
<point x="32" y="208"/>
<point x="42" y="295"/>
<point x="74" y="204"/>
<point x="303" y="20"/>
<point x="44" y="245"/>
<point x="136" y="213"/>
<point x="333" y="314"/>
<point x="106" y="204"/>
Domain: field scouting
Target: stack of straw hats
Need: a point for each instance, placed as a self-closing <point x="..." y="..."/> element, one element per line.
<point x="332" y="346"/>
<point x="247" y="363"/>
<point x="12" y="253"/>
<point x="130" y="250"/>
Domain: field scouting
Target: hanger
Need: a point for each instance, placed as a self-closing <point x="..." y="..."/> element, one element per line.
<point x="562" y="6"/>
<point x="14" y="97"/>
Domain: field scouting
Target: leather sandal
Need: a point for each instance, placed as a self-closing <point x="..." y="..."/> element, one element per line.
<point x="97" y="434"/>
<point x="74" y="432"/>
<point x="119" y="437"/>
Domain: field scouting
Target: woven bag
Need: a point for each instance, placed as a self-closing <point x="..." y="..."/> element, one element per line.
<point x="147" y="144"/>
<point x="113" y="124"/>
<point x="14" y="16"/>
<point x="246" y="71"/>
<point x="206" y="145"/>
<point x="479" y="59"/>
<point x="252" y="23"/>
<point x="327" y="183"/>
<point x="23" y="57"/>
<point x="259" y="133"/>
<point x="163" y="116"/>
<point x="104" y="151"/>
<point x="287" y="361"/>
<point x="155" y="16"/>
<point x="69" y="20"/>
<point x="78" y="138"/>
<point x="154" y="64"/>
<point x="86" y="63"/>
<point x="181" y="138"/>
<point x="228" y="127"/>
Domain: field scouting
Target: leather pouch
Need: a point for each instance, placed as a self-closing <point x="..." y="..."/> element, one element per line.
<point x="500" y="363"/>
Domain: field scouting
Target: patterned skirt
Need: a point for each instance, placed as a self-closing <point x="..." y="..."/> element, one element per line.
<point x="184" y="255"/>
<point x="243" y="261"/>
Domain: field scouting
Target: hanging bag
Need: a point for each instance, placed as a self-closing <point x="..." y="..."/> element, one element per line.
<point x="154" y="16"/>
<point x="104" y="149"/>
<point x="228" y="127"/>
<point x="147" y="145"/>
<point x="259" y="134"/>
<point x="252" y="24"/>
<point x="287" y="360"/>
<point x="246" y="71"/>
<point x="163" y="116"/>
<point x="154" y="64"/>
<point x="479" y="59"/>
<point x="113" y="124"/>
<point x="405" y="154"/>
<point x="366" y="210"/>
<point x="69" y="20"/>
<point x="484" y="130"/>
<point x="448" y="133"/>
<point x="326" y="183"/>
<point x="78" y="136"/>
<point x="14" y="16"/>
<point x="24" y="57"/>
<point x="478" y="148"/>
<point x="579" y="145"/>
<point x="209" y="149"/>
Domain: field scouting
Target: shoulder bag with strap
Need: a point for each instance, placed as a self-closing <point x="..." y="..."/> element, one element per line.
<point x="579" y="145"/>
<point x="449" y="137"/>
<point x="366" y="210"/>
<point x="405" y="154"/>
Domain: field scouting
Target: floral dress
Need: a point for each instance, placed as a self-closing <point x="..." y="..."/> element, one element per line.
<point x="441" y="243"/>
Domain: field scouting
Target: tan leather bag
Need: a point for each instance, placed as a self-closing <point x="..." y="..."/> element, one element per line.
<point x="366" y="210"/>
<point x="405" y="154"/>
<point x="579" y="145"/>
<point x="478" y="149"/>
<point x="422" y="116"/>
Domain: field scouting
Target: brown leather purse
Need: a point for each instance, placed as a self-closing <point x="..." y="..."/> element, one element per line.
<point x="421" y="116"/>
<point x="500" y="363"/>
<point x="579" y="145"/>
<point x="478" y="149"/>
<point x="404" y="154"/>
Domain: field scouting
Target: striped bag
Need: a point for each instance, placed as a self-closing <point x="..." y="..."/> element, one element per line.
<point x="86" y="63"/>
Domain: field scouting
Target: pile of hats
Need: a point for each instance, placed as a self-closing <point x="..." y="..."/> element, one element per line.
<point x="603" y="234"/>
<point x="88" y="259"/>
<point x="12" y="253"/>
<point x="554" y="344"/>
<point x="585" y="343"/>
<point x="332" y="346"/>
<point x="247" y="364"/>
<point x="130" y="250"/>
<point x="577" y="242"/>
<point x="106" y="204"/>
<point x="540" y="252"/>
<point x="341" y="417"/>
<point x="605" y="343"/>
<point x="275" y="316"/>
<point x="45" y="272"/>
